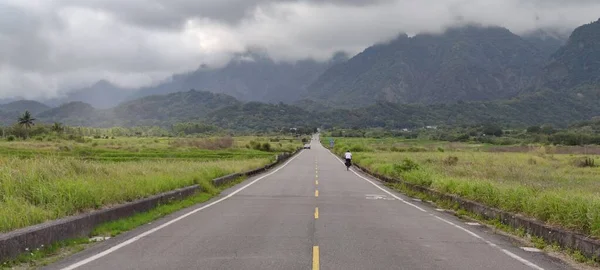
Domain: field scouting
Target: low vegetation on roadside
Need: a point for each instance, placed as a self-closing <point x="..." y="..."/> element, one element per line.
<point x="544" y="182"/>
<point x="41" y="180"/>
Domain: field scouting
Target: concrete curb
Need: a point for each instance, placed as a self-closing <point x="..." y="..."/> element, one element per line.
<point x="589" y="247"/>
<point x="15" y="243"/>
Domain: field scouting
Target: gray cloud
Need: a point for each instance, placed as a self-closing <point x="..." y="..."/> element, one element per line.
<point x="47" y="46"/>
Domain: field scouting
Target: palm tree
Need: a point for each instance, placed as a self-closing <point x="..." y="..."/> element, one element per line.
<point x="57" y="127"/>
<point x="26" y="120"/>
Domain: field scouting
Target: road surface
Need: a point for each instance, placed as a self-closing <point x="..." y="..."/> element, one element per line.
<point x="310" y="214"/>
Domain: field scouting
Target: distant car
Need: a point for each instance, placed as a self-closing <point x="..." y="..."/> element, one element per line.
<point x="307" y="146"/>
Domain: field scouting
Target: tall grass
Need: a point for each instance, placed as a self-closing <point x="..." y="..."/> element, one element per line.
<point x="553" y="188"/>
<point x="35" y="190"/>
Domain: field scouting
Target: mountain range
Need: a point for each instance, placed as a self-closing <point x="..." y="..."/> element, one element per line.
<point x="470" y="74"/>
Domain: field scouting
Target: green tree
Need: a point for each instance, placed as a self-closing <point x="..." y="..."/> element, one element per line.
<point x="548" y="129"/>
<point x="534" y="129"/>
<point x="27" y="121"/>
<point x="492" y="130"/>
<point x="57" y="127"/>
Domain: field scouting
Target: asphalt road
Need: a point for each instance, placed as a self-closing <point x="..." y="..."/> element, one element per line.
<point x="310" y="214"/>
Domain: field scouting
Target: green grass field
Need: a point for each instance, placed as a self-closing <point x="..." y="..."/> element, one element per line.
<point x="559" y="189"/>
<point x="45" y="180"/>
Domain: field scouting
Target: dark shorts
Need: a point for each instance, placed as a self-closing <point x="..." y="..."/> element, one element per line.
<point x="348" y="162"/>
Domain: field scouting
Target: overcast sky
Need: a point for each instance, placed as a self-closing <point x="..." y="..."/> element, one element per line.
<point x="48" y="46"/>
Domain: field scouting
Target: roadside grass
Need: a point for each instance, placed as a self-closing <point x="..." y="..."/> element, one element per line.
<point x="43" y="180"/>
<point x="498" y="226"/>
<point x="135" y="149"/>
<point x="557" y="189"/>
<point x="42" y="189"/>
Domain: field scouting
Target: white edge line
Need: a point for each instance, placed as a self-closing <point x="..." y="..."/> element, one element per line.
<point x="510" y="254"/>
<point x="146" y="233"/>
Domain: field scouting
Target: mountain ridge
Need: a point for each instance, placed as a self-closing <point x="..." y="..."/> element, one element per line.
<point x="468" y="63"/>
<point x="569" y="95"/>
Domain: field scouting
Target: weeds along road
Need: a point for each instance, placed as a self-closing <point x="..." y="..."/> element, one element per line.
<point x="309" y="214"/>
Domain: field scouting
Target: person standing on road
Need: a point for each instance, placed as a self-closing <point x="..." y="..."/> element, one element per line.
<point x="348" y="157"/>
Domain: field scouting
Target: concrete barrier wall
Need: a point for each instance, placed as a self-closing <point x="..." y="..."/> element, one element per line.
<point x="17" y="242"/>
<point x="566" y="239"/>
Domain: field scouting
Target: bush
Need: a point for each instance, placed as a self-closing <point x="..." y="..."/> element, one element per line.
<point x="406" y="165"/>
<point x="11" y="138"/>
<point x="534" y="129"/>
<point x="532" y="161"/>
<point x="584" y="162"/>
<point x="266" y="147"/>
<point x="396" y="149"/>
<point x="255" y="145"/>
<point x="492" y="130"/>
<point x="451" y="161"/>
<point x="65" y="148"/>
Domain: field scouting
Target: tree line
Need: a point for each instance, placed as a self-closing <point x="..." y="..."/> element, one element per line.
<point x="26" y="127"/>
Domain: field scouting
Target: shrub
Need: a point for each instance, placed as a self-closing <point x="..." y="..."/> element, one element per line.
<point x="441" y="150"/>
<point x="266" y="147"/>
<point x="255" y="145"/>
<point x="532" y="161"/>
<point x="406" y="165"/>
<point x="584" y="162"/>
<point x="451" y="161"/>
<point x="65" y="148"/>
<point x="11" y="138"/>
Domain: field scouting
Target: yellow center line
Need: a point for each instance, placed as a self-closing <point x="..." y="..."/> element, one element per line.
<point x="317" y="182"/>
<point x="316" y="193"/>
<point x="316" y="212"/>
<point x="315" y="258"/>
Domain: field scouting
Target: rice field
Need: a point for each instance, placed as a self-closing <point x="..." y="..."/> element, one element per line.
<point x="552" y="184"/>
<point x="42" y="180"/>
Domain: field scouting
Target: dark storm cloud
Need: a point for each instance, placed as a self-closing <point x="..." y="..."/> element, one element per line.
<point x="174" y="13"/>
